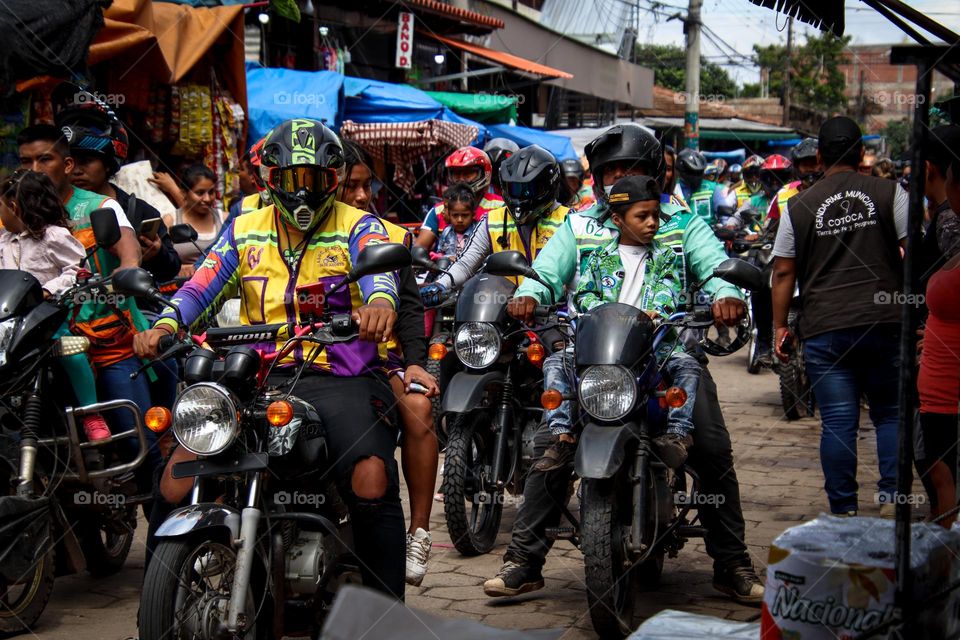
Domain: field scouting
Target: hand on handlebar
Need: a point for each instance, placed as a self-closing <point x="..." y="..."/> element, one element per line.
<point x="375" y="320"/>
<point x="728" y="311"/>
<point x="522" y="308"/>
<point x="432" y="294"/>
<point x="147" y="343"/>
<point x="417" y="374"/>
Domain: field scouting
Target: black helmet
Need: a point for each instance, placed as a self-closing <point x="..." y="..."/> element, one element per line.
<point x="531" y="183"/>
<point x="498" y="150"/>
<point x="629" y="143"/>
<point x="806" y="149"/>
<point x="572" y="169"/>
<point x="302" y="164"/>
<point x="691" y="162"/>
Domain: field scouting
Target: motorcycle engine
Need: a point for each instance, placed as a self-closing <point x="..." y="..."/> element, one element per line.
<point x="527" y="443"/>
<point x="304" y="563"/>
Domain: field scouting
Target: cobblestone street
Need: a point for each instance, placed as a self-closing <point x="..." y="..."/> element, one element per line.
<point x="780" y="478"/>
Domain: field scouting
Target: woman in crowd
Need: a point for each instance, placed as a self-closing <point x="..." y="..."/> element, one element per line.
<point x="199" y="210"/>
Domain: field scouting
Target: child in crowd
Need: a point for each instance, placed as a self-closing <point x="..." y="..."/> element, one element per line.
<point x="639" y="270"/>
<point x="35" y="238"/>
<point x="459" y="205"/>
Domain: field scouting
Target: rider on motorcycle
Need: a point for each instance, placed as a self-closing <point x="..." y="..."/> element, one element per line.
<point x="498" y="150"/>
<point x="775" y="174"/>
<point x="734" y="173"/>
<point x="750" y="189"/>
<point x="697" y="191"/>
<point x="471" y="166"/>
<point x="531" y="185"/>
<point x="573" y="175"/>
<point x="806" y="170"/>
<point x="623" y="150"/>
<point x="306" y="237"/>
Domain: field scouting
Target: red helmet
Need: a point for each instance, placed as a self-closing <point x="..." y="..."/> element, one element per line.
<point x="466" y="157"/>
<point x="776" y="162"/>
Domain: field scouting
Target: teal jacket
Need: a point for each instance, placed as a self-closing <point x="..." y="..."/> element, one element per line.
<point x="603" y="276"/>
<point x="697" y="252"/>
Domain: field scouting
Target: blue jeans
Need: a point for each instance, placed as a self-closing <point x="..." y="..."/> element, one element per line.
<point x="559" y="372"/>
<point x="843" y="365"/>
<point x="685" y="372"/>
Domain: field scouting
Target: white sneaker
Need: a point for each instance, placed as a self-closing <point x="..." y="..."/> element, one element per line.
<point x="418" y="552"/>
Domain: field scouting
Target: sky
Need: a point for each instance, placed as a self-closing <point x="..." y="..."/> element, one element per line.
<point x="743" y="24"/>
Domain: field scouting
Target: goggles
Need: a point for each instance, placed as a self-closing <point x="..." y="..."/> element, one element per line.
<point x="303" y="177"/>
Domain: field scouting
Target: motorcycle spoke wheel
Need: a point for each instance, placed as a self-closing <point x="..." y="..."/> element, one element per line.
<point x="472" y="516"/>
<point x="106" y="544"/>
<point x="22" y="602"/>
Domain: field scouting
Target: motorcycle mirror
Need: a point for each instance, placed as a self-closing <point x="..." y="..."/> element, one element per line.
<point x="420" y="257"/>
<point x="182" y="233"/>
<point x="136" y="283"/>
<point x="106" y="229"/>
<point x="740" y="273"/>
<point x="376" y="258"/>
<point x="508" y="263"/>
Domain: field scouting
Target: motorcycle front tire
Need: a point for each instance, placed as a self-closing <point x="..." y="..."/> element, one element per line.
<point x="24" y="613"/>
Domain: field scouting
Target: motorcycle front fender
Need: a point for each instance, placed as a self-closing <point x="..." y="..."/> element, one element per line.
<point x="465" y="390"/>
<point x="602" y="449"/>
<point x="206" y="515"/>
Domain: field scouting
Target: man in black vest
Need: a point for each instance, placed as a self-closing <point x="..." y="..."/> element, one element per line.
<point x="841" y="240"/>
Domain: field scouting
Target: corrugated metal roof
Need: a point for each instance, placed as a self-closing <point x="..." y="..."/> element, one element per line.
<point x="599" y="23"/>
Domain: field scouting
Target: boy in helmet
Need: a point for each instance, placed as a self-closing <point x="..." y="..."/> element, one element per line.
<point x="472" y="167"/>
<point x="306" y="237"/>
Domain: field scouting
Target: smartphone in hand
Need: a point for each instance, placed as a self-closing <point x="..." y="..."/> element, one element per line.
<point x="150" y="227"/>
<point x="786" y="345"/>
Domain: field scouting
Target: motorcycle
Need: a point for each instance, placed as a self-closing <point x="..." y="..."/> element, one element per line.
<point x="759" y="253"/>
<point x="634" y="510"/>
<point x="69" y="505"/>
<point x="796" y="394"/>
<point x="492" y="405"/>
<point x="252" y="555"/>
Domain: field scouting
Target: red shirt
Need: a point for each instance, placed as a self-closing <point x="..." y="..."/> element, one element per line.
<point x="939" y="379"/>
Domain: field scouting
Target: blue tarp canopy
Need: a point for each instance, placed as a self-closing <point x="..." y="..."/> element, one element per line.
<point x="560" y="146"/>
<point x="377" y="101"/>
<point x="737" y="156"/>
<point x="275" y="95"/>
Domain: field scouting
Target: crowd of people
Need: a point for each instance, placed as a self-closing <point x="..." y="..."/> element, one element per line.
<point x="632" y="222"/>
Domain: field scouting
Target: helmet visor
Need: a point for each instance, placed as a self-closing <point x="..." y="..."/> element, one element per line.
<point x="303" y="177"/>
<point x="520" y="190"/>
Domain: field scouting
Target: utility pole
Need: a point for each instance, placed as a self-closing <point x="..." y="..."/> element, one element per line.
<point x="691" y="116"/>
<point x="786" y="73"/>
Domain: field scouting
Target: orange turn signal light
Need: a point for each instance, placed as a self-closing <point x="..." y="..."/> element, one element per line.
<point x="675" y="397"/>
<point x="551" y="399"/>
<point x="279" y="413"/>
<point x="158" y="419"/>
<point x="437" y="351"/>
<point x="536" y="353"/>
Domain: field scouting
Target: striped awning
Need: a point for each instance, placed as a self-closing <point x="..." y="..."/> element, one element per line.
<point x="404" y="143"/>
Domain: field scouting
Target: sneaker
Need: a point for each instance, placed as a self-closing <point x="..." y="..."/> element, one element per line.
<point x="418" y="552"/>
<point x="888" y="511"/>
<point x="95" y="427"/>
<point x="512" y="580"/>
<point x="672" y="448"/>
<point x="557" y="456"/>
<point x="740" y="582"/>
<point x="845" y="514"/>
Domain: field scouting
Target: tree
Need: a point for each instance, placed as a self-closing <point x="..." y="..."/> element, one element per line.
<point x="897" y="134"/>
<point x="670" y="65"/>
<point x="815" y="79"/>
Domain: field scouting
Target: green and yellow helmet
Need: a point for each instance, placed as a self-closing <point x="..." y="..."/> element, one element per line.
<point x="302" y="164"/>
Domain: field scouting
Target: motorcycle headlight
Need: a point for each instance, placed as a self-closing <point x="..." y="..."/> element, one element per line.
<point x="607" y="392"/>
<point x="205" y="419"/>
<point x="7" y="330"/>
<point x="477" y="344"/>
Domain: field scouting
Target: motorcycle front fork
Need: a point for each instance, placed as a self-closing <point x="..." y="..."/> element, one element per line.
<point x="502" y="424"/>
<point x="638" y="480"/>
<point x="249" y="522"/>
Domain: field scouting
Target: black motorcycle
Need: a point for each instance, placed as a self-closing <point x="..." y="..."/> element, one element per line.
<point x="265" y="540"/>
<point x="634" y="510"/>
<point x="492" y="405"/>
<point x="796" y="394"/>
<point x="68" y="504"/>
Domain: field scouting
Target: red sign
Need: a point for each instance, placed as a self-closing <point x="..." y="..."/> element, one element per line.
<point x="405" y="41"/>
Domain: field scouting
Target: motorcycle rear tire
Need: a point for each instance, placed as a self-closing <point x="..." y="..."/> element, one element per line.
<point x="601" y="529"/>
<point x="796" y="396"/>
<point x="101" y="560"/>
<point x="460" y="486"/>
<point x="158" y="599"/>
<point x="22" y="616"/>
<point x="753" y="356"/>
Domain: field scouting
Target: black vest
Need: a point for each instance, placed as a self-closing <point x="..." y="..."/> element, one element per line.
<point x="847" y="253"/>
